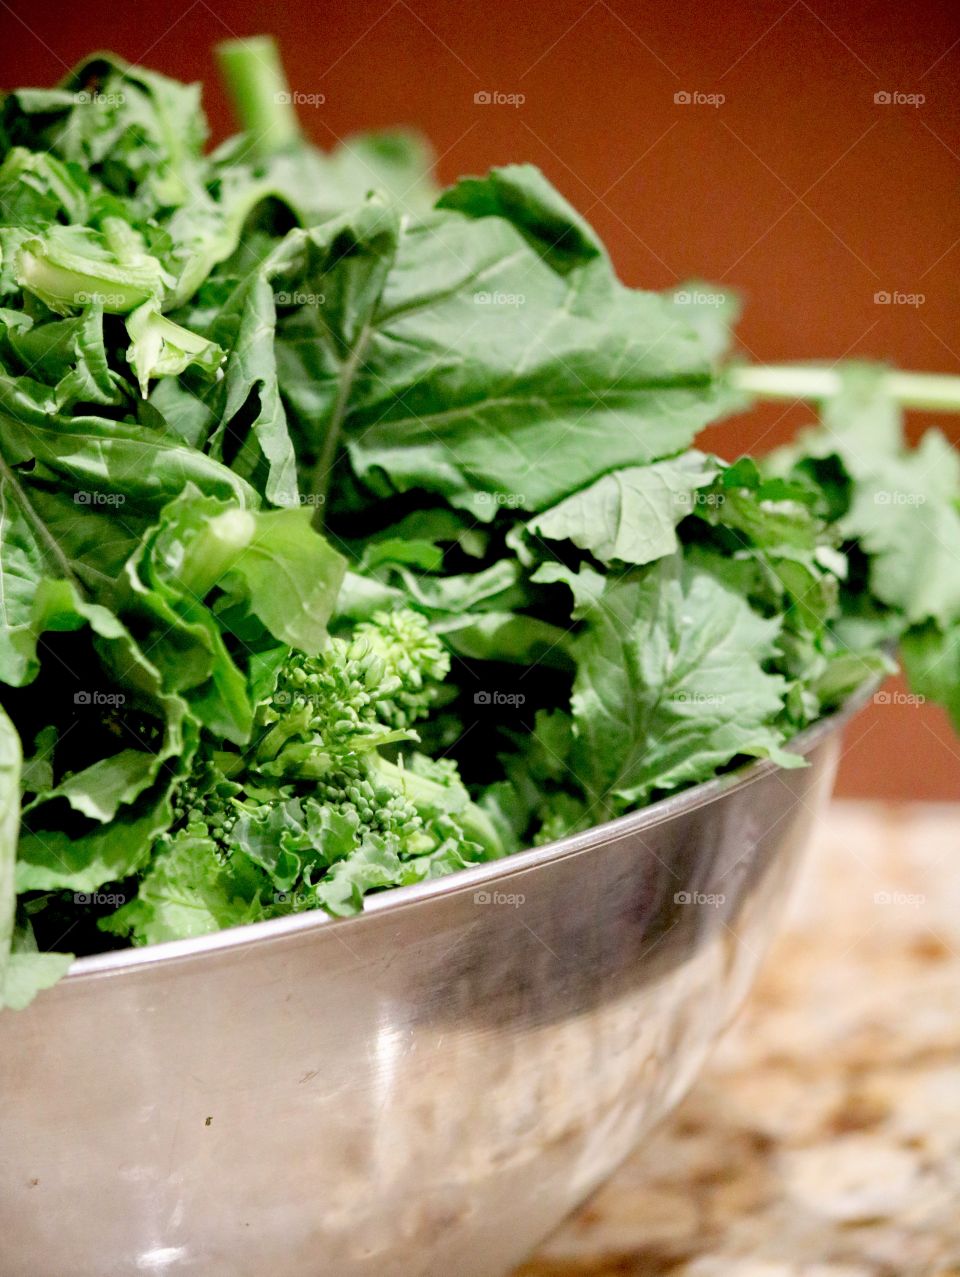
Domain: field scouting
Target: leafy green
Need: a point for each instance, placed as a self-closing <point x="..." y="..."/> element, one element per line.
<point x="629" y="515"/>
<point x="27" y="970"/>
<point x="670" y="685"/>
<point x="10" y="767"/>
<point x="351" y="531"/>
<point x="312" y="813"/>
<point x="898" y="509"/>
<point x="932" y="660"/>
<point x="187" y="892"/>
<point x="490" y="367"/>
<point x="904" y="514"/>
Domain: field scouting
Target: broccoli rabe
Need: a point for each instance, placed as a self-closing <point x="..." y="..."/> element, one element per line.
<point x="208" y="359"/>
<point x="364" y="692"/>
<point x="312" y="813"/>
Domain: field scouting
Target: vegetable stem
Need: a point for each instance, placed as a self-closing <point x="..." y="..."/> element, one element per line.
<point x="927" y="390"/>
<point x="49" y="544"/>
<point x="210" y="557"/>
<point x="259" y="93"/>
<point x="323" y="467"/>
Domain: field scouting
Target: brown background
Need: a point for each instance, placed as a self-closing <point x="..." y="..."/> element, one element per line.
<point x="799" y="189"/>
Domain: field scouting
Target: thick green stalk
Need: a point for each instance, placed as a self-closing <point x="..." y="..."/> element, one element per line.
<point x="259" y="93"/>
<point x="210" y="557"/>
<point x="927" y="390"/>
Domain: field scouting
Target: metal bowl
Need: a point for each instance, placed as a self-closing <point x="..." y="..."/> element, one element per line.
<point x="426" y="1088"/>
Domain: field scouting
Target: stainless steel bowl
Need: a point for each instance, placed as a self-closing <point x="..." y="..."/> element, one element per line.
<point x="427" y="1088"/>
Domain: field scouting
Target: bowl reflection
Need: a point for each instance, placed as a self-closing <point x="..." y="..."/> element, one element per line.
<point x="425" y="1089"/>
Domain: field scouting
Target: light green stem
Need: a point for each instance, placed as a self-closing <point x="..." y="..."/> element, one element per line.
<point x="210" y="557"/>
<point x="928" y="390"/>
<point x="259" y="93"/>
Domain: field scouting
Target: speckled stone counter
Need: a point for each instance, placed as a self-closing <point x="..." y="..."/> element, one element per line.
<point x="824" y="1138"/>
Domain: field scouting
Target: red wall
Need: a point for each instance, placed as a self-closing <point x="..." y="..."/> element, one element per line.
<point x="799" y="189"/>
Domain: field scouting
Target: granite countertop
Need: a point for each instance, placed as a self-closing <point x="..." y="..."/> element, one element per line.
<point x="823" y="1140"/>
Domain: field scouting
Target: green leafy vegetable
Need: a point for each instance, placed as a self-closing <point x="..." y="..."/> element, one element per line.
<point x="630" y="515"/>
<point x="351" y="532"/>
<point x="670" y="685"/>
<point x="10" y="765"/>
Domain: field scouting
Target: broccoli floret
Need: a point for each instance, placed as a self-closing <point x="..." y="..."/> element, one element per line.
<point x="312" y="813"/>
<point x="208" y="805"/>
<point x="414" y="664"/>
<point x="361" y="693"/>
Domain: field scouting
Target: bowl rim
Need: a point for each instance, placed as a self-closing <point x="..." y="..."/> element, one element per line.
<point x="116" y="961"/>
